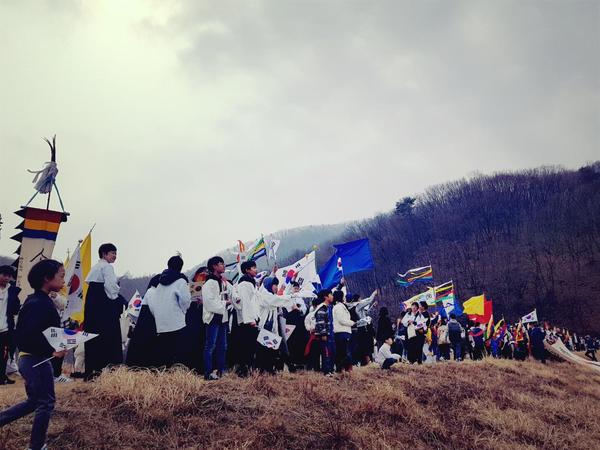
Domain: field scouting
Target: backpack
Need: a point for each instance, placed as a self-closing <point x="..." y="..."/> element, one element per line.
<point x="443" y="335"/>
<point x="454" y="331"/>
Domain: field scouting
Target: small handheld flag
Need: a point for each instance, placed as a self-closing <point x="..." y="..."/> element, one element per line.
<point x="268" y="339"/>
<point x="289" y="329"/>
<point x="64" y="339"/>
<point x="135" y="305"/>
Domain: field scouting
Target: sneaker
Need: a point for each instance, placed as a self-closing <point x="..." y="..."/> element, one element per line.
<point x="7" y="381"/>
<point x="211" y="377"/>
<point x="11" y="367"/>
<point x="63" y="379"/>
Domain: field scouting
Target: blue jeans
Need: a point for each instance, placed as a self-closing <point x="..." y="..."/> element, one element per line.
<point x="216" y="340"/>
<point x="39" y="386"/>
<point x="343" y="352"/>
<point x="457" y="347"/>
<point x="328" y="354"/>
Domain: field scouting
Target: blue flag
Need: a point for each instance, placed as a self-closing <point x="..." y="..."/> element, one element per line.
<point x="450" y="306"/>
<point x="351" y="257"/>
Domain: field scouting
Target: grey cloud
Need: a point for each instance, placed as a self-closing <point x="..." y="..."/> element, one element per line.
<point x="229" y="109"/>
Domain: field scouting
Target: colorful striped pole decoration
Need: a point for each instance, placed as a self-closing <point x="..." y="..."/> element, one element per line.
<point x="39" y="231"/>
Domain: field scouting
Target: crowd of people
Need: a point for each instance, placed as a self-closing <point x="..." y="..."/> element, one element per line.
<point x="219" y="329"/>
<point x="421" y="335"/>
<point x="257" y="324"/>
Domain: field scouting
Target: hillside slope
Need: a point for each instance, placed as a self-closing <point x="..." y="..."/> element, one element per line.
<point x="527" y="239"/>
<point x="494" y="404"/>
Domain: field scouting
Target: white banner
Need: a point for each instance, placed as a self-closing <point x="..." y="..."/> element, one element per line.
<point x="558" y="349"/>
<point x="428" y="296"/>
<point x="32" y="251"/>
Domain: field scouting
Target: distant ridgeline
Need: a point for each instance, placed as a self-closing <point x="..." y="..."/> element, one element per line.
<point x="295" y="243"/>
<point x="528" y="239"/>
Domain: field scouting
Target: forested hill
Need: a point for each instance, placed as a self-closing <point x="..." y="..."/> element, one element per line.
<point x="528" y="239"/>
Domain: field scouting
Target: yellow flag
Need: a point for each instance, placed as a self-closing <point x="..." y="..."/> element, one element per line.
<point x="86" y="266"/>
<point x="475" y="305"/>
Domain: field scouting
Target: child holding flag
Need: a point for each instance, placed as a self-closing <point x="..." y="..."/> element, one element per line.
<point x="37" y="314"/>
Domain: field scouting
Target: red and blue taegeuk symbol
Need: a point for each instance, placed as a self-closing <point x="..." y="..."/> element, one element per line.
<point x="289" y="276"/>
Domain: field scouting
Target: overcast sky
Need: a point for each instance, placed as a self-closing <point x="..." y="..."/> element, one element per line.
<point x="185" y="125"/>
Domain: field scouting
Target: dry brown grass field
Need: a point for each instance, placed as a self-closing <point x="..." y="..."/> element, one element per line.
<point x="495" y="404"/>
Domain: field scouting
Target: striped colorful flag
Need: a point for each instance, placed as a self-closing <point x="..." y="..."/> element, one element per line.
<point x="489" y="331"/>
<point x="519" y="335"/>
<point x="444" y="292"/>
<point x="498" y="326"/>
<point x="418" y="275"/>
<point x="444" y="295"/>
<point x="258" y="250"/>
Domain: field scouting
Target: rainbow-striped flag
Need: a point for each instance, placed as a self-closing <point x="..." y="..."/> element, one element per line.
<point x="444" y="292"/>
<point x="258" y="250"/>
<point x="418" y="275"/>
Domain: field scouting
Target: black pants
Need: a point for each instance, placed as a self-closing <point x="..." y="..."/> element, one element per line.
<point x="313" y="360"/>
<point x="4" y="352"/>
<point x="478" y="352"/>
<point x="103" y="351"/>
<point x="168" y="348"/>
<point x="590" y="354"/>
<point x="539" y="353"/>
<point x="192" y="339"/>
<point x="57" y="366"/>
<point x="266" y="359"/>
<point x="415" y="348"/>
<point x="247" y="351"/>
<point x="389" y="362"/>
<point x="444" y="350"/>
